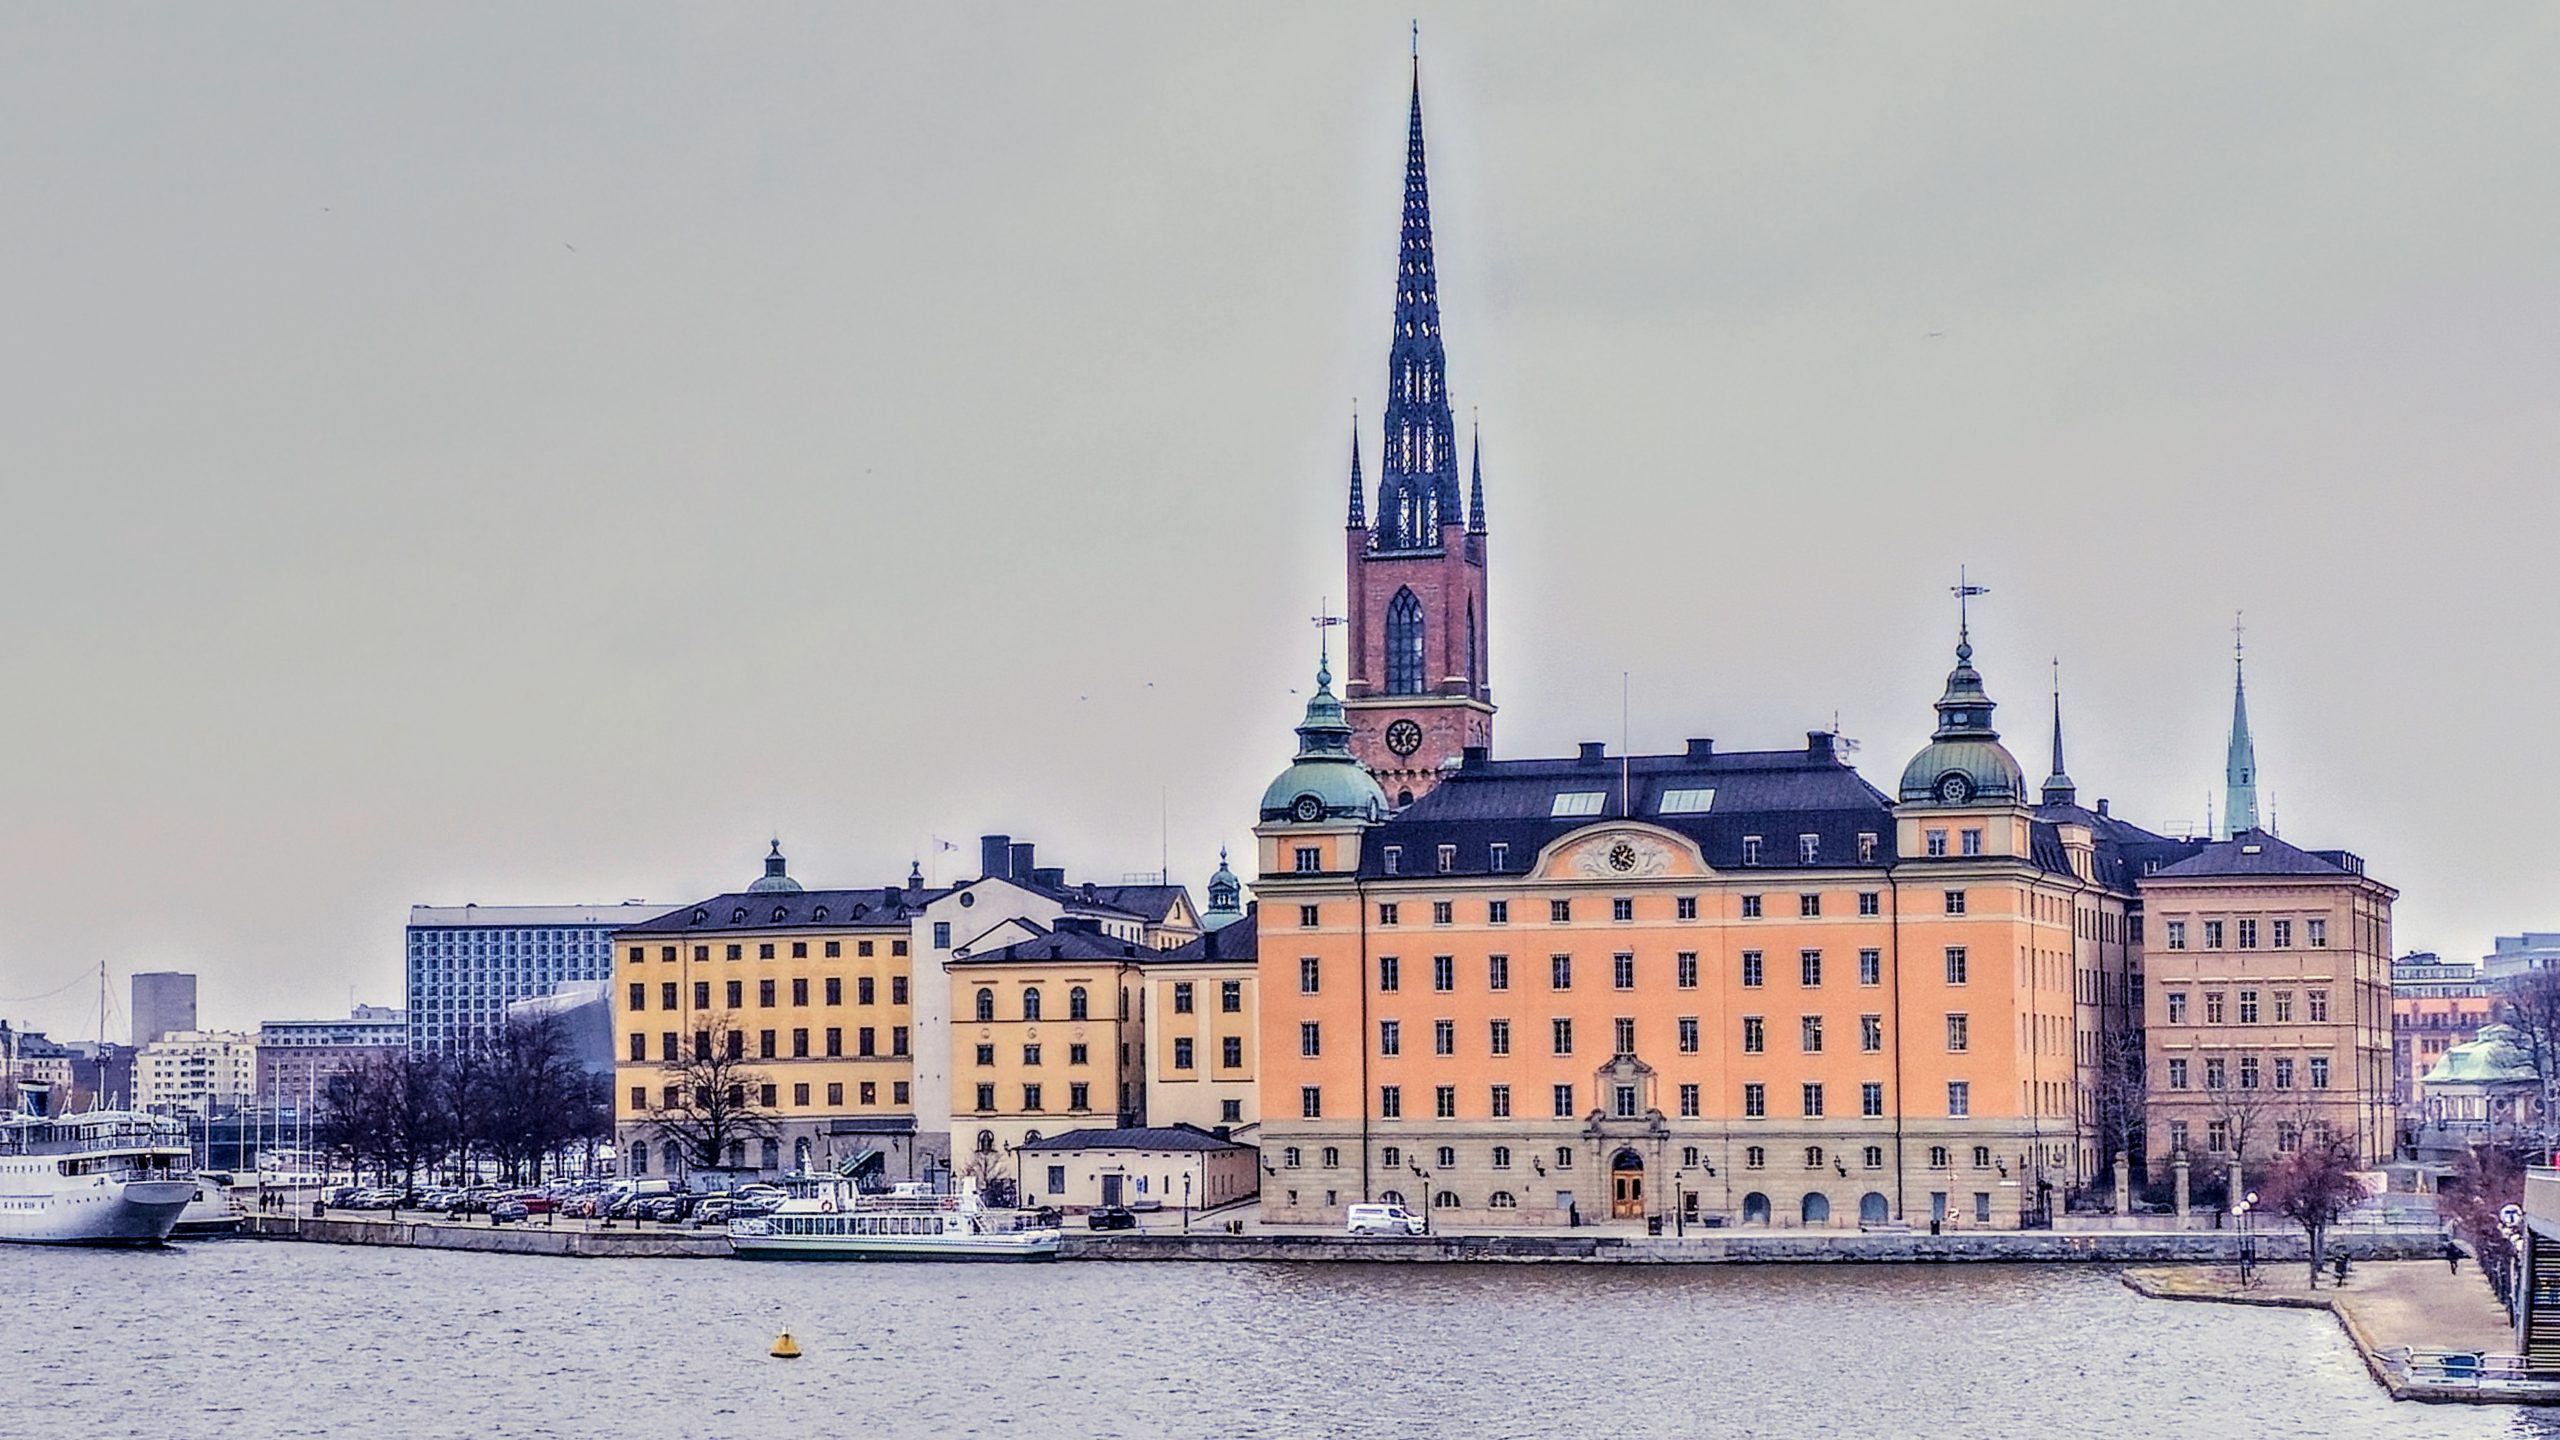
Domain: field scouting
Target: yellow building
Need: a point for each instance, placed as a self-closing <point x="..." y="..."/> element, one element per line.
<point x="813" y="987"/>
<point x="1048" y="1035"/>
<point x="1203" y="1041"/>
<point x="1156" y="1167"/>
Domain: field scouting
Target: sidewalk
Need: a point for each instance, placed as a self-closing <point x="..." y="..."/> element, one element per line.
<point x="2388" y="1308"/>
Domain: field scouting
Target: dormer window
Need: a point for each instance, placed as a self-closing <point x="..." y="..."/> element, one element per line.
<point x="1395" y="859"/>
<point x="1448" y="858"/>
<point x="1808" y="848"/>
<point x="1750" y="849"/>
<point x="1500" y="856"/>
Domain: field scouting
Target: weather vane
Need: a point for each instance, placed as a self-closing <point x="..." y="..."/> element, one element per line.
<point x="1324" y="620"/>
<point x="1964" y="590"/>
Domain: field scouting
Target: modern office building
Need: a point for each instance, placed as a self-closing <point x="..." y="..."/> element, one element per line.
<point x="2435" y="1005"/>
<point x="467" y="963"/>
<point x="297" y="1057"/>
<point x="164" y="1002"/>
<point x="2514" y="955"/>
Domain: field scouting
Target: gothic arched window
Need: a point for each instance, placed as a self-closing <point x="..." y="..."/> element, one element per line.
<point x="1404" y="644"/>
<point x="1077" y="1006"/>
<point x="986" y="1006"/>
<point x="1031" y="1003"/>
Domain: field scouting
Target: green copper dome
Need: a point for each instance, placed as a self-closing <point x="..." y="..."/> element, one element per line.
<point x="1325" y="783"/>
<point x="1226" y="897"/>
<point x="1964" y="762"/>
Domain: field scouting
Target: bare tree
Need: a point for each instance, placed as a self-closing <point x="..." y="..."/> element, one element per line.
<point x="2313" y="1187"/>
<point x="710" y="1097"/>
<point x="2120" y="1093"/>
<point x="2531" y="1003"/>
<point x="2244" y="1112"/>
<point x="995" y="1183"/>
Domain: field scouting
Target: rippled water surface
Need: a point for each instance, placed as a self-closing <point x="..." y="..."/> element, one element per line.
<point x="261" y="1338"/>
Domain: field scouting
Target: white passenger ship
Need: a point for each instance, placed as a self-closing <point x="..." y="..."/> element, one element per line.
<point x="827" y="1218"/>
<point x="102" y="1177"/>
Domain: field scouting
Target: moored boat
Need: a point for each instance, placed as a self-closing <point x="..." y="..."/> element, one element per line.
<point x="210" y="1211"/>
<point x="826" y="1217"/>
<point x="101" y="1177"/>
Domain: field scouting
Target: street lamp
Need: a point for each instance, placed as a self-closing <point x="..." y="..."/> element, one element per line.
<point x="1425" y="1177"/>
<point x="1186" y="1202"/>
<point x="2243" y="1212"/>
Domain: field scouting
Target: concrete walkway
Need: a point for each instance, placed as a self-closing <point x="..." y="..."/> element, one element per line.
<point x="2389" y="1309"/>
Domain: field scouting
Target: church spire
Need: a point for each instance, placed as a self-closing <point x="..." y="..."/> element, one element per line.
<point x="1475" y="500"/>
<point x="2058" y="789"/>
<point x="1359" y="505"/>
<point x="2240" y="764"/>
<point x="1418" y="473"/>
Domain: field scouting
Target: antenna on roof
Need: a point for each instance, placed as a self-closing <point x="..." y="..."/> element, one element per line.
<point x="1841" y="744"/>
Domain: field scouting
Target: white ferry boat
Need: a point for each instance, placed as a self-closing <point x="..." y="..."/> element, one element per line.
<point x="210" y="1210"/>
<point x="827" y="1218"/>
<point x="102" y="1177"/>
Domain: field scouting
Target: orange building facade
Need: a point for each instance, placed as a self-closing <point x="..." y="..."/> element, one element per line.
<point x="1704" y="988"/>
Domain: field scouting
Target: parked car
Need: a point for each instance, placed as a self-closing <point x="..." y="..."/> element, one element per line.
<point x="536" y="1202"/>
<point x="665" y="1209"/>
<point x="1112" y="1217"/>
<point x="1382" y="1220"/>
<point x="1047" y="1217"/>
<point x="714" y="1210"/>
<point x="507" y="1212"/>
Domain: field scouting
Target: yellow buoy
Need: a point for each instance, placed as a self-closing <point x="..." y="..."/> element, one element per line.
<point x="785" y="1348"/>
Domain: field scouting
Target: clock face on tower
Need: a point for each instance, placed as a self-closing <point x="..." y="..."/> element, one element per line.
<point x="1404" y="737"/>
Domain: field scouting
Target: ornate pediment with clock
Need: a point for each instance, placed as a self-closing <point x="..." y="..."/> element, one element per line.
<point x="1625" y="851"/>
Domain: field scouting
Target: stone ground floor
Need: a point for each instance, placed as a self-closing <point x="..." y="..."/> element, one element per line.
<point x="1955" y="1173"/>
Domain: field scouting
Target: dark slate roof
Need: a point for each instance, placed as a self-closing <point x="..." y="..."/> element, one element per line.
<point x="1776" y="795"/>
<point x="887" y="905"/>
<point x="2255" y="852"/>
<point x="1080" y="896"/>
<point x="1168" y="1137"/>
<point x="1069" y="941"/>
<point x="1151" y="903"/>
<point x="1240" y="940"/>
<point x="2125" y="851"/>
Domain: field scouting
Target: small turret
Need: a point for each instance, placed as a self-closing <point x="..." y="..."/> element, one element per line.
<point x="1226" y="897"/>
<point x="777" y="878"/>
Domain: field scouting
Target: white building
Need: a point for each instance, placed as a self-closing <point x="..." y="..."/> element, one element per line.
<point x="467" y="963"/>
<point x="2514" y="955"/>
<point x="196" y="1071"/>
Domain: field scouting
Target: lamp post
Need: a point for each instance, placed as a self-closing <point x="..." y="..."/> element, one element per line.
<point x="1186" y="1202"/>
<point x="2243" y="1213"/>
<point x="1425" y="1177"/>
<point x="1679" y="1202"/>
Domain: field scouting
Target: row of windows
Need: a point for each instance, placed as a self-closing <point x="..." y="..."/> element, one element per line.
<point x="1625" y="1101"/>
<point x="1230" y="997"/>
<point x="2218" y="1073"/>
<point x="865" y="992"/>
<point x="2315" y="934"/>
<point x="1623" y="908"/>
<point x="2278" y="1010"/>
<point x="769" y="1044"/>
<point x="2217" y="1135"/>
<point x="767" y="950"/>
<point x="1754" y="1157"/>
<point x="1752" y="971"/>
<point x="1755" y="1035"/>
<point x="1754" y="847"/>
<point x="1079" y="1097"/>
<point x="901" y="1092"/>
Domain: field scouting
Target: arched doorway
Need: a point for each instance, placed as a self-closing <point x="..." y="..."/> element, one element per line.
<point x="1755" y="1209"/>
<point x="1626" y="1185"/>
<point x="1817" y="1208"/>
<point x="1872" y="1209"/>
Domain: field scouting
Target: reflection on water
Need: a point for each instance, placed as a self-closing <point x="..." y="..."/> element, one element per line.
<point x="265" y="1338"/>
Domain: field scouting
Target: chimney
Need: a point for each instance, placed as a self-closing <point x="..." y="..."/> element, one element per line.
<point x="2102" y="805"/>
<point x="1701" y="749"/>
<point x="1594" y="751"/>
<point x="991" y="856"/>
<point x="1472" y="757"/>
<point x="1818" y="747"/>
<point x="1050" y="877"/>
<point x="1020" y="865"/>
<point x="889" y="896"/>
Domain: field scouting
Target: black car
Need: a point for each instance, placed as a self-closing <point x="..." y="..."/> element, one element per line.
<point x="1112" y="1217"/>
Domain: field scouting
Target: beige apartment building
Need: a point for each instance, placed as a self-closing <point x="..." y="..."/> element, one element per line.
<point x="2268" y="972"/>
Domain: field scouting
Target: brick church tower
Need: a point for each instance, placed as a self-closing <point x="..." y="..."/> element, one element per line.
<point x="1417" y="693"/>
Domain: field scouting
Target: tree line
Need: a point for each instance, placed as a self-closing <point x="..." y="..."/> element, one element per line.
<point x="517" y="1097"/>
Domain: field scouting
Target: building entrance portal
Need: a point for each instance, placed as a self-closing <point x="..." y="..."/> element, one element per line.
<point x="1626" y="1186"/>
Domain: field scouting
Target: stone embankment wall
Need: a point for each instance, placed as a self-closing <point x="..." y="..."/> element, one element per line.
<point x="2016" y="1247"/>
<point x="504" y="1240"/>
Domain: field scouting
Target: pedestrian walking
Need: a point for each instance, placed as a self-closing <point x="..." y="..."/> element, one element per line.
<point x="2452" y="1258"/>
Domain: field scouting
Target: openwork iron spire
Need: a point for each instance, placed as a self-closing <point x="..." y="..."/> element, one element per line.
<point x="1418" y="474"/>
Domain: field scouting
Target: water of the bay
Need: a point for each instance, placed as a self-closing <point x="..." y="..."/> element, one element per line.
<point x="248" y="1338"/>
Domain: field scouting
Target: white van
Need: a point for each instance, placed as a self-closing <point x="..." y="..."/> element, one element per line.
<point x="1383" y="1220"/>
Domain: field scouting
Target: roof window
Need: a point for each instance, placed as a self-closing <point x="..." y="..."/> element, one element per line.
<point x="1686" y="802"/>
<point x="1578" y="802"/>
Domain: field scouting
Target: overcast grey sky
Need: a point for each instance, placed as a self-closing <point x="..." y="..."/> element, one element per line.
<point x="531" y="454"/>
